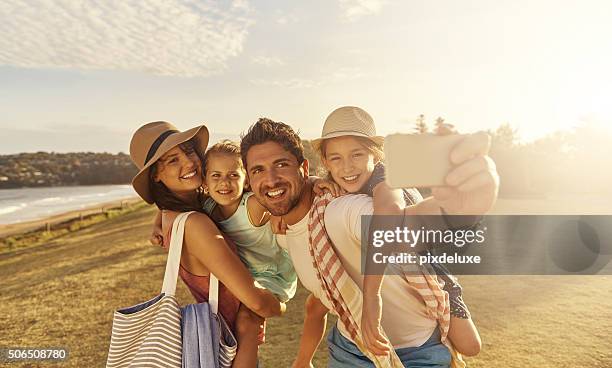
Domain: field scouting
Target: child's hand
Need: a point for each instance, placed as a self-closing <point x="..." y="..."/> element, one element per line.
<point x="320" y="185"/>
<point x="278" y="225"/>
<point x="370" y="326"/>
<point x="166" y="219"/>
<point x="157" y="234"/>
<point x="157" y="237"/>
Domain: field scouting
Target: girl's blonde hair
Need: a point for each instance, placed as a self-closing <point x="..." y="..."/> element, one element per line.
<point x="375" y="149"/>
<point x="225" y="147"/>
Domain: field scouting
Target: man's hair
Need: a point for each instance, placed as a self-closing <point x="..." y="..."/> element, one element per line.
<point x="225" y="147"/>
<point x="266" y="130"/>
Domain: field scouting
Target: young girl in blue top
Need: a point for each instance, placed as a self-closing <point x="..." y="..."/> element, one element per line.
<point x="245" y="221"/>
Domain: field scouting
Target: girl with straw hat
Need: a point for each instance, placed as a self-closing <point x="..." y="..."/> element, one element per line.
<point x="352" y="153"/>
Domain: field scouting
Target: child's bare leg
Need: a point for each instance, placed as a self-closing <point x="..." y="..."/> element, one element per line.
<point x="464" y="336"/>
<point x="247" y="330"/>
<point x="462" y="331"/>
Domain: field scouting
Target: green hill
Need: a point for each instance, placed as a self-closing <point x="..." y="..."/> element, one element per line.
<point x="43" y="169"/>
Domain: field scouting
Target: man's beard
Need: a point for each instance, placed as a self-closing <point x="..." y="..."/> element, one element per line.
<point x="281" y="209"/>
<point x="284" y="207"/>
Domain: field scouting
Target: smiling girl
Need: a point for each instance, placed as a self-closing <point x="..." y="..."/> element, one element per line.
<point x="240" y="216"/>
<point x="352" y="154"/>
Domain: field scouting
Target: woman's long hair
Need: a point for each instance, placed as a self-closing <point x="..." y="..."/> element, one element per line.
<point x="163" y="197"/>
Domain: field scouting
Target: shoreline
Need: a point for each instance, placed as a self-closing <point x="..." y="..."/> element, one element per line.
<point x="19" y="228"/>
<point x="504" y="206"/>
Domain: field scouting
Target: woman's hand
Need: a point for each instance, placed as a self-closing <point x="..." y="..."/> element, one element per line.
<point x="205" y="245"/>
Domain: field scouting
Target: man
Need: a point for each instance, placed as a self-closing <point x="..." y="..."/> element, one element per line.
<point x="273" y="156"/>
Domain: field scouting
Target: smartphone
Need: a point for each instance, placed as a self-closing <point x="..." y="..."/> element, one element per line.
<point x="418" y="160"/>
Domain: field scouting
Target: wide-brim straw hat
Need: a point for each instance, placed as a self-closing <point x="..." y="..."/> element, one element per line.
<point x="150" y="142"/>
<point x="348" y="121"/>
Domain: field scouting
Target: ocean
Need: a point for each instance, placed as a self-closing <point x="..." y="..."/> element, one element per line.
<point x="26" y="204"/>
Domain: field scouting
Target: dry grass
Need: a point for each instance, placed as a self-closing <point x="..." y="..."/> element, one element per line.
<point x="63" y="293"/>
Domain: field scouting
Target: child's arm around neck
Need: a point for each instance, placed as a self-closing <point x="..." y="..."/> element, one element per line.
<point x="258" y="214"/>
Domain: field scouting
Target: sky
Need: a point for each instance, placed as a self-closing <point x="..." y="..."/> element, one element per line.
<point x="84" y="75"/>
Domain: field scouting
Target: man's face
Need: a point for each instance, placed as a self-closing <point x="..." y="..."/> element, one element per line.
<point x="276" y="177"/>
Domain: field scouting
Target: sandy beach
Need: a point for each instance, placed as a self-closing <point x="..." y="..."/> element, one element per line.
<point x="23" y="227"/>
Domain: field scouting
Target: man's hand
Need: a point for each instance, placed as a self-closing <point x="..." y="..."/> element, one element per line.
<point x="370" y="326"/>
<point x="473" y="184"/>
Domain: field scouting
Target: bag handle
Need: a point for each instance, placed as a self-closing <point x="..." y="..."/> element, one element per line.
<point x="213" y="294"/>
<point x="174" y="253"/>
<point x="174" y="261"/>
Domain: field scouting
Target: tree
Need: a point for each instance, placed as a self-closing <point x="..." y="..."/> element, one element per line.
<point x="506" y="136"/>
<point x="421" y="126"/>
<point x="440" y="124"/>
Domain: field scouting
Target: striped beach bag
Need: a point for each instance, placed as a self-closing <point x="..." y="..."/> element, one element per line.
<point x="159" y="333"/>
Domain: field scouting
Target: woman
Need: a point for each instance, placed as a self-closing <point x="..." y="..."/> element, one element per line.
<point x="170" y="176"/>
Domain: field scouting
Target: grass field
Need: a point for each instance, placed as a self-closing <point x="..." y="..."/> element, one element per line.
<point x="63" y="293"/>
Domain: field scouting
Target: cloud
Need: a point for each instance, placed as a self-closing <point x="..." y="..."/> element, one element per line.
<point x="283" y="18"/>
<point x="65" y="137"/>
<point x="268" y="61"/>
<point x="161" y="37"/>
<point x="241" y="4"/>
<point x="353" y="10"/>
<point x="337" y="76"/>
<point x="287" y="83"/>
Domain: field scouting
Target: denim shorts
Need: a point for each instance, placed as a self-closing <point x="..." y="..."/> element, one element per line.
<point x="344" y="354"/>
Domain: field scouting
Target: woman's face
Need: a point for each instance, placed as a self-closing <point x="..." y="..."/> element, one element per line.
<point x="180" y="170"/>
<point x="225" y="178"/>
<point x="349" y="162"/>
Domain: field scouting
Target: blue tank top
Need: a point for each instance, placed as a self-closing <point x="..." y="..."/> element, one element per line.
<point x="269" y="264"/>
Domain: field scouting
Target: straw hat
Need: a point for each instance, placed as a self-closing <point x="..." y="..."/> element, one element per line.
<point x="150" y="142"/>
<point x="348" y="120"/>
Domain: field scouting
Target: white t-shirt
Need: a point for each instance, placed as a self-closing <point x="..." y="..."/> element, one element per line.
<point x="404" y="317"/>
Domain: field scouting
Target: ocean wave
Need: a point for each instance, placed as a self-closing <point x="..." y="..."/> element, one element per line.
<point x="49" y="200"/>
<point x="8" y="197"/>
<point x="11" y="209"/>
<point x="43" y="202"/>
